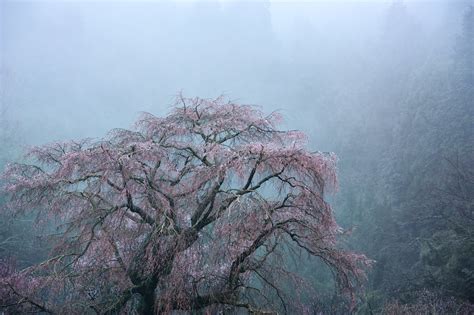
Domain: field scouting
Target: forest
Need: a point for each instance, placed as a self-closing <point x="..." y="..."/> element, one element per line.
<point x="237" y="157"/>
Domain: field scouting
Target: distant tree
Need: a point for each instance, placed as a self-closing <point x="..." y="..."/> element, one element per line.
<point x="186" y="212"/>
<point x="446" y="253"/>
<point x="7" y="135"/>
<point x="427" y="302"/>
<point x="16" y="235"/>
<point x="464" y="50"/>
<point x="424" y="233"/>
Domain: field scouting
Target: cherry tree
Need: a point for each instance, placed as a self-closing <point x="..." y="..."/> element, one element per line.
<point x="193" y="211"/>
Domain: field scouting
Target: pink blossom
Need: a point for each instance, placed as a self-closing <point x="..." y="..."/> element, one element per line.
<point x="184" y="210"/>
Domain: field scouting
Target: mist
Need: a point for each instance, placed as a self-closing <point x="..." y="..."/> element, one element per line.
<point x="385" y="85"/>
<point x="101" y="63"/>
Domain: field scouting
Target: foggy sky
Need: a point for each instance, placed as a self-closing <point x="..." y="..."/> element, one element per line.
<point x="79" y="68"/>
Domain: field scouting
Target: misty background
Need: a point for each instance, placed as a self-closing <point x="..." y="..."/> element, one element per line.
<point x="386" y="85"/>
<point x="79" y="68"/>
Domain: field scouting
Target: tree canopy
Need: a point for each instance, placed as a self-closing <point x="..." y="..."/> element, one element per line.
<point x="183" y="212"/>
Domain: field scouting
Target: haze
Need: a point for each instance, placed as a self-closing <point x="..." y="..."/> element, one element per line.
<point x="385" y="85"/>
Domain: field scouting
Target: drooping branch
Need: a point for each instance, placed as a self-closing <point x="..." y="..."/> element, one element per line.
<point x="184" y="212"/>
